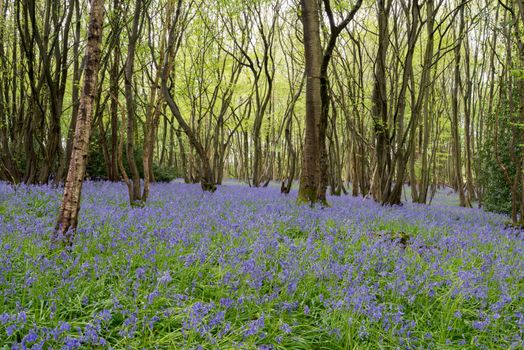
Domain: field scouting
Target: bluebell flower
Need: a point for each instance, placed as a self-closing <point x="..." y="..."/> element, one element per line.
<point x="11" y="329"/>
<point x="164" y="278"/>
<point x="285" y="328"/>
<point x="306" y="310"/>
<point x="255" y="326"/>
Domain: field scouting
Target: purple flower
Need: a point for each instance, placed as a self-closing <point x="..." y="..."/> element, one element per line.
<point x="140" y="273"/>
<point x="64" y="327"/>
<point x="71" y="344"/>
<point x="104" y="315"/>
<point x="217" y="319"/>
<point x="164" y="278"/>
<point x="31" y="337"/>
<point x="11" y="329"/>
<point x="4" y="318"/>
<point x="255" y="326"/>
<point x="226" y="302"/>
<point x="481" y="325"/>
<point x="285" y="328"/>
<point x="21" y="317"/>
<point x="260" y="258"/>
<point x="306" y="310"/>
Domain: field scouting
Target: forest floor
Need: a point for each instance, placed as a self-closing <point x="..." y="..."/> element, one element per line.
<point x="249" y="269"/>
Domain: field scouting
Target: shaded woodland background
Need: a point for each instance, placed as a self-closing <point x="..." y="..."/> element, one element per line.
<point x="426" y="93"/>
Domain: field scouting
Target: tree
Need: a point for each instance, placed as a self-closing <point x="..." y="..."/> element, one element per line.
<point x="313" y="181"/>
<point x="133" y="184"/>
<point x="206" y="175"/>
<point x="310" y="176"/>
<point x="455" y="113"/>
<point x="334" y="32"/>
<point x="68" y="216"/>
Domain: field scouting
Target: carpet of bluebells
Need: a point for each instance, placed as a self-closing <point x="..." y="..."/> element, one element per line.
<point x="249" y="269"/>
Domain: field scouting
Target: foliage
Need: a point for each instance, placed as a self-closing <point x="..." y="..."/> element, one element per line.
<point x="247" y="269"/>
<point x="165" y="173"/>
<point x="496" y="189"/>
<point x="96" y="166"/>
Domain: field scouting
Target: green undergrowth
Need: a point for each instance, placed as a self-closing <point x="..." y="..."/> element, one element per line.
<point x="327" y="287"/>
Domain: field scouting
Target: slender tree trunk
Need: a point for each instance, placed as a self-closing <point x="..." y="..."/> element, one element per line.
<point x="163" y="142"/>
<point x="68" y="216"/>
<point x="405" y="134"/>
<point x="75" y="92"/>
<point x="310" y="172"/>
<point x="457" y="159"/>
<point x="206" y="175"/>
<point x="335" y="31"/>
<point x="379" y="187"/>
<point x="7" y="165"/>
<point x="130" y="104"/>
<point x="292" y="155"/>
<point x="415" y="196"/>
<point x="114" y="82"/>
<point x="467" y="92"/>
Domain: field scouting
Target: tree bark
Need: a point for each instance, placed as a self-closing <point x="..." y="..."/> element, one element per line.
<point x="130" y="105"/>
<point x="335" y="30"/>
<point x="68" y="216"/>
<point x="114" y="82"/>
<point x="75" y="90"/>
<point x="379" y="188"/>
<point x="310" y="174"/>
<point x="457" y="159"/>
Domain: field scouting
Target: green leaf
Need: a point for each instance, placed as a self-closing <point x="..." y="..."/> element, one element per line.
<point x="517" y="73"/>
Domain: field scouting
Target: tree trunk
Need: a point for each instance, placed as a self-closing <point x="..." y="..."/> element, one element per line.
<point x="379" y="188"/>
<point x="310" y="173"/>
<point x="457" y="159"/>
<point x="77" y="72"/>
<point x="114" y="82"/>
<point x="335" y="31"/>
<point x="206" y="175"/>
<point x="130" y="105"/>
<point x="467" y="98"/>
<point x="68" y="216"/>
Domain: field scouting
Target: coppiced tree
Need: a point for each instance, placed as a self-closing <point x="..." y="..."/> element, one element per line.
<point x="313" y="184"/>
